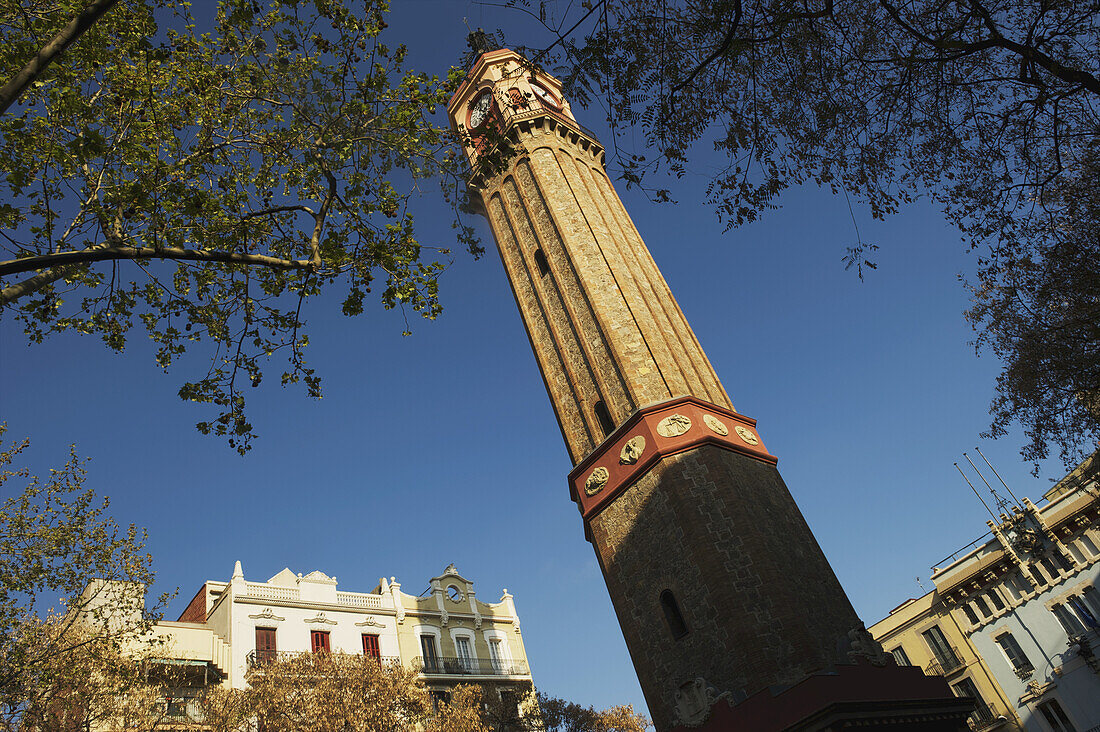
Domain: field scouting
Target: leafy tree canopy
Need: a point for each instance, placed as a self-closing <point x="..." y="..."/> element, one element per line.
<point x="204" y="176"/>
<point x="991" y="108"/>
<point x="57" y="542"/>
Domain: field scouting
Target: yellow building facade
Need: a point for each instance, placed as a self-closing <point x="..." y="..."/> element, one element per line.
<point x="922" y="632"/>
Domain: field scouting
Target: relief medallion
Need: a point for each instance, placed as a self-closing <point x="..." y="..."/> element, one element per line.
<point x="632" y="450"/>
<point x="596" y="481"/>
<point x="746" y="434"/>
<point x="717" y="425"/>
<point x="674" y="425"/>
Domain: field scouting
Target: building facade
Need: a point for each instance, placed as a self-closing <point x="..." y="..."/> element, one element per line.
<point x="1020" y="609"/>
<point x="922" y="632"/>
<point x="446" y="634"/>
<point x="719" y="586"/>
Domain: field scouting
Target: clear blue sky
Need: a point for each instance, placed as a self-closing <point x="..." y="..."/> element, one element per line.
<point x="442" y="447"/>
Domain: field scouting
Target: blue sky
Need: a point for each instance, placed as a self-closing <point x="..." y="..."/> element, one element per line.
<point x="442" y="447"/>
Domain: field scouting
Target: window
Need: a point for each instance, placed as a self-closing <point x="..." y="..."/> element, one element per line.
<point x="1014" y="654"/>
<point x="454" y="593"/>
<point x="606" y="423"/>
<point x="370" y="646"/>
<point x="995" y="598"/>
<point x="983" y="606"/>
<point x="970" y="614"/>
<point x="1061" y="561"/>
<point x="462" y="649"/>
<point x="1017" y="586"/>
<point x="1037" y="574"/>
<point x="1092" y="598"/>
<point x="496" y="656"/>
<point x="1076" y="551"/>
<point x="428" y="652"/>
<point x="1050" y="565"/>
<point x="673" y="617"/>
<point x="1067" y="619"/>
<point x="900" y="657"/>
<point x="1087" y="543"/>
<point x="318" y="640"/>
<point x="1075" y="615"/>
<point x="940" y="648"/>
<point x="981" y="714"/>
<point x="518" y="100"/>
<point x="541" y="263"/>
<point x="509" y="705"/>
<point x="265" y="644"/>
<point x="1056" y="718"/>
<point x="1083" y="612"/>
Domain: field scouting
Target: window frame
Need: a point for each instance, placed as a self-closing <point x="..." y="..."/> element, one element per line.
<point x="674" y="617"/>
<point x="900" y="655"/>
<point x="1011" y="649"/>
<point x="372" y="648"/>
<point x="1047" y="708"/>
<point x="942" y="650"/>
<point x="266" y="654"/>
<point x="325" y="646"/>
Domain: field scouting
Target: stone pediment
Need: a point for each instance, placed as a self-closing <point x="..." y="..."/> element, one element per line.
<point x="318" y="577"/>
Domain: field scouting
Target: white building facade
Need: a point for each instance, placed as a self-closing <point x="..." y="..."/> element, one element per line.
<point x="449" y="636"/>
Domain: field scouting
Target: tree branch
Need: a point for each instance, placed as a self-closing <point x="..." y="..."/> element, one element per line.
<point x="59" y="263"/>
<point x="49" y="53"/>
<point x="315" y="240"/>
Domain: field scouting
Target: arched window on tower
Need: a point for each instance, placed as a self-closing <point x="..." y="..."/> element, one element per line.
<point x="541" y="263"/>
<point x="606" y="423"/>
<point x="675" y="620"/>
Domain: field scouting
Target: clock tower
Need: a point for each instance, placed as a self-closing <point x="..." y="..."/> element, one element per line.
<point x="721" y="590"/>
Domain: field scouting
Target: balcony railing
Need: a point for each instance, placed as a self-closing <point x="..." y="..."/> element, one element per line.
<point x="470" y="667"/>
<point x="945" y="666"/>
<point x="259" y="658"/>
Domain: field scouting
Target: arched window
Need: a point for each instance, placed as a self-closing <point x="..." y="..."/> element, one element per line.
<point x="606" y="423"/>
<point x="675" y="620"/>
<point x="541" y="263"/>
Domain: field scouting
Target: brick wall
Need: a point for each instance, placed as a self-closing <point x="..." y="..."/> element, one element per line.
<point x="721" y="531"/>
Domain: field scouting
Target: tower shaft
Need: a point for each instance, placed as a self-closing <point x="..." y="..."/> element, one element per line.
<point x="719" y="586"/>
<point x="603" y="324"/>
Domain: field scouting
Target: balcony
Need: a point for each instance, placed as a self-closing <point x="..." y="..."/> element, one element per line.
<point x="945" y="666"/>
<point x="259" y="658"/>
<point x="440" y="666"/>
<point x="984" y="719"/>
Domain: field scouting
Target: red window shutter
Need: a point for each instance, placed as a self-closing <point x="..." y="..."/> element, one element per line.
<point x="265" y="644"/>
<point x="265" y="639"/>
<point x="319" y="640"/>
<point x="370" y="646"/>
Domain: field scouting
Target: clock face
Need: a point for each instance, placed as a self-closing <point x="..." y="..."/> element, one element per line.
<point x="546" y="97"/>
<point x="479" y="110"/>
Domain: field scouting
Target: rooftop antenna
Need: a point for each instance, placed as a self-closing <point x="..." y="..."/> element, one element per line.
<point x="999" y="478"/>
<point x="1002" y="504"/>
<point x="920" y="584"/>
<point x="995" y="519"/>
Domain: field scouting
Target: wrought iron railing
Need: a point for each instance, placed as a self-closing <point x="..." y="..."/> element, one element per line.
<point x="945" y="666"/>
<point x="470" y="666"/>
<point x="984" y="718"/>
<point x="259" y="658"/>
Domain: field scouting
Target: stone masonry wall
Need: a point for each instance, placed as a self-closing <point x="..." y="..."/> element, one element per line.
<point x="721" y="531"/>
